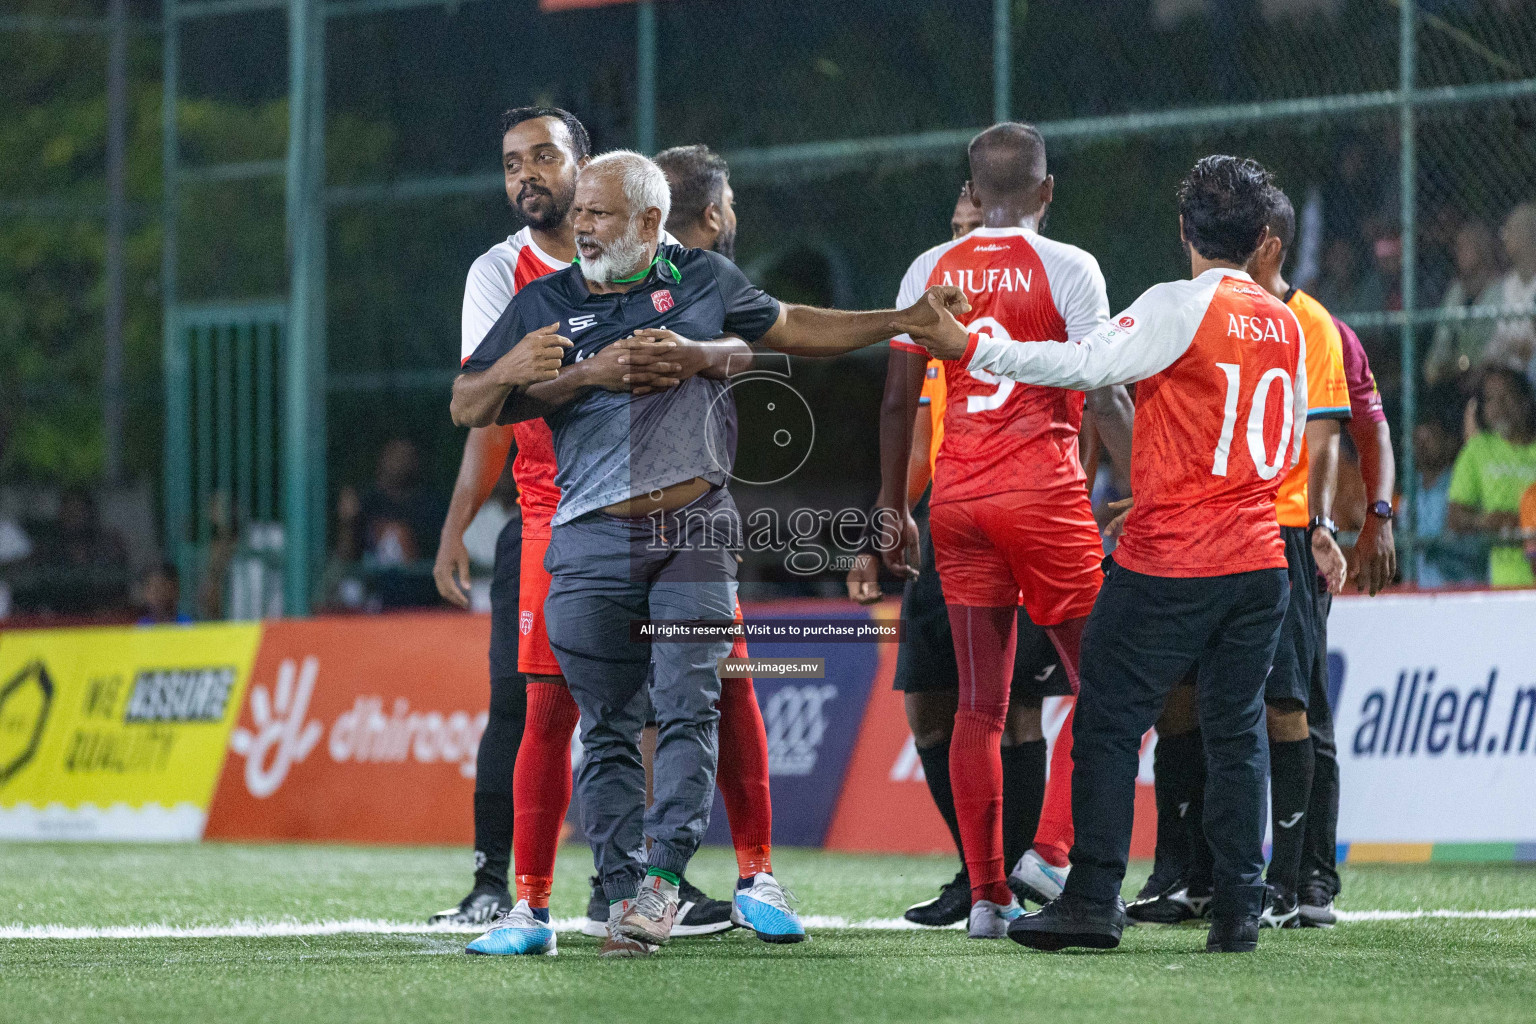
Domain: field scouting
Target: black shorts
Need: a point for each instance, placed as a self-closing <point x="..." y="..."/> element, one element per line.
<point x="926" y="659"/>
<point x="506" y="574"/>
<point x="1300" y="658"/>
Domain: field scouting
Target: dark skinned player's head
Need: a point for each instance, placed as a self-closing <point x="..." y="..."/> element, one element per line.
<point x="1224" y="207"/>
<point x="1270" y="255"/>
<point x="1008" y="173"/>
<point x="542" y="149"/>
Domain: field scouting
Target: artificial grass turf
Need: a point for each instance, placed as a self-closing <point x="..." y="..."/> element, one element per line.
<point x="1430" y="970"/>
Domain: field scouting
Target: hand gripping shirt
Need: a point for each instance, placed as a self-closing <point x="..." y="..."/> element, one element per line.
<point x="612" y="446"/>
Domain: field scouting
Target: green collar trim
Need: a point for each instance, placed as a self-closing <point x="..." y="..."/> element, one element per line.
<point x="658" y="260"/>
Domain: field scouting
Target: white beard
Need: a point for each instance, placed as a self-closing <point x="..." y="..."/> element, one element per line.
<point x="623" y="258"/>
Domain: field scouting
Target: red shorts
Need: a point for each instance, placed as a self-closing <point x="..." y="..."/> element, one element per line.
<point x="1043" y="545"/>
<point x="533" y="654"/>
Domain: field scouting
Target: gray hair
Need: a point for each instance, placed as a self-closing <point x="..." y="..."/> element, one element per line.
<point x="643" y="182"/>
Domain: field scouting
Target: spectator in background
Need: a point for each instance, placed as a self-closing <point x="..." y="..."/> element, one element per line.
<point x="1337" y="280"/>
<point x="1528" y="523"/>
<point x="1494" y="469"/>
<point x="159" y="596"/>
<point x="392" y="529"/>
<point x="77" y="566"/>
<point x="1442" y="558"/>
<point x="1514" y="339"/>
<point x="1459" y="345"/>
<point x="1382" y="286"/>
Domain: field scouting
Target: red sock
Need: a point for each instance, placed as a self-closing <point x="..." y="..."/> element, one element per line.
<point x="1053" y="839"/>
<point x="743" y="776"/>
<point x="541" y="788"/>
<point x="984" y="648"/>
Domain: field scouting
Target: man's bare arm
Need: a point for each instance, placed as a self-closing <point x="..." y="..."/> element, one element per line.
<point x="1375" y="555"/>
<point x="808" y="331"/>
<point x="1114" y="413"/>
<point x="898" y="412"/>
<point x="478" y="396"/>
<point x="1322" y="478"/>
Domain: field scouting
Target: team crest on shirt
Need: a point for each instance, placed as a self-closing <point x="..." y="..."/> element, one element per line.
<point x="525" y="623"/>
<point x="1126" y="322"/>
<point x="662" y="300"/>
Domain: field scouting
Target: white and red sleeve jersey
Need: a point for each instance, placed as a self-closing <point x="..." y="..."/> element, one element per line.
<point x="1220" y="411"/>
<point x="493" y="279"/>
<point x="1001" y="435"/>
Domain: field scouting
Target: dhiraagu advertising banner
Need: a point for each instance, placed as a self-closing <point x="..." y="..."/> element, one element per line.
<point x="117" y="733"/>
<point x="1434" y="700"/>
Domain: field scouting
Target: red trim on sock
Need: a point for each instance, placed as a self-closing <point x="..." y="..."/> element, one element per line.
<point x="541" y="784"/>
<point x="743" y="777"/>
<point x="535" y="889"/>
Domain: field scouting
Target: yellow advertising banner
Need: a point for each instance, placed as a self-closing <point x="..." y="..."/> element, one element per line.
<point x="117" y="733"/>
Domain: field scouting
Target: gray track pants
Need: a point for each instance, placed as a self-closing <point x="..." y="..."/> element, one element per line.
<point x="607" y="572"/>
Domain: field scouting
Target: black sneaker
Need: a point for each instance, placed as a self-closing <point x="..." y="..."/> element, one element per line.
<point x="951" y="906"/>
<point x="1233" y="934"/>
<point x="1071" y="921"/>
<point x="481" y="906"/>
<point x="1315" y="906"/>
<point x="697" y="914"/>
<point x="1280" y="910"/>
<point x="596" y="924"/>
<point x="1173" y="905"/>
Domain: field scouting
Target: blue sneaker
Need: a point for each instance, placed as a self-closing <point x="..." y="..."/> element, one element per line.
<point x="764" y="907"/>
<point x="518" y="933"/>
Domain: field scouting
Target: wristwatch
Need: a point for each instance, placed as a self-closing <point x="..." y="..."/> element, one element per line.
<point x="1382" y="510"/>
<point x="1322" y="522"/>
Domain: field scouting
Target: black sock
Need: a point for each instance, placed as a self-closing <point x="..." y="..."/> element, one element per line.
<point x="1178" y="768"/>
<point x="936" y="770"/>
<point x="493" y="840"/>
<point x="1023" y="796"/>
<point x="1290" y="790"/>
<point x="1320" y="857"/>
<point x="495" y="762"/>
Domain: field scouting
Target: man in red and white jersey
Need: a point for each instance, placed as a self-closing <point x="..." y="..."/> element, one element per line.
<point x="1009" y="514"/>
<point x="1199" y="579"/>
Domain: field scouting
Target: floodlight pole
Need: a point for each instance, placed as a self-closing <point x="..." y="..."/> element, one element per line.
<point x="304" y="432"/>
<point x="645" y="75"/>
<point x="1408" y="187"/>
<point x="1002" y="59"/>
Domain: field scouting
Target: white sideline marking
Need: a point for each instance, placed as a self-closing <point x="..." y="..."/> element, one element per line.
<point x="363" y="926"/>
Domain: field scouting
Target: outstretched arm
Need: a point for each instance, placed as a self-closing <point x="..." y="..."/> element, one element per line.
<point x="808" y="331"/>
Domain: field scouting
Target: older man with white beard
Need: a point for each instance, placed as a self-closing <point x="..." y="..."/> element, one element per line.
<point x="645" y="528"/>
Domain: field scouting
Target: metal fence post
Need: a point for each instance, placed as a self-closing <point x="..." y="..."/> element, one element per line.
<point x="176" y="478"/>
<point x="1408" y="185"/>
<point x="645" y="74"/>
<point x="117" y="202"/>
<point x="304" y="367"/>
<point x="1002" y="59"/>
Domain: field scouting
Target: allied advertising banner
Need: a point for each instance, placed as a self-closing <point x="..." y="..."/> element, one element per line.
<point x="1435" y="705"/>
<point x="360" y="729"/>
<point x="117" y="733"/>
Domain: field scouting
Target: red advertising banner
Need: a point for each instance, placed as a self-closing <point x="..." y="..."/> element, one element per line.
<point x="358" y="730"/>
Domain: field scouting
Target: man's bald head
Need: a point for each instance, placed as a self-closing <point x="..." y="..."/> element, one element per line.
<point x="1007" y="161"/>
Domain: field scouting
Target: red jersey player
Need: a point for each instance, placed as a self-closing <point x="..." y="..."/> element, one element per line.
<point x="1009" y="512"/>
<point x="1199" y="579"/>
